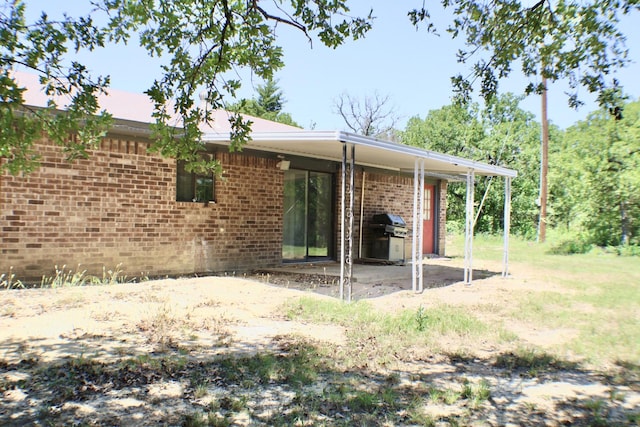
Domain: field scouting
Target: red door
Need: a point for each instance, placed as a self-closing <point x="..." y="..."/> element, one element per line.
<point x="429" y="218"/>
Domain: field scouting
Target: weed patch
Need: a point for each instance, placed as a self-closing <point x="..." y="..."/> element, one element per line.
<point x="476" y="394"/>
<point x="63" y="277"/>
<point x="9" y="281"/>
<point x="375" y="337"/>
<point x="161" y="327"/>
<point x="531" y="362"/>
<point x="297" y="367"/>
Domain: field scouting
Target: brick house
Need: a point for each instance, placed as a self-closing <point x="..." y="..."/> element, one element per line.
<point x="277" y="201"/>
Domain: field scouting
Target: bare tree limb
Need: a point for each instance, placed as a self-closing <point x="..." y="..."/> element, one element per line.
<point x="286" y="21"/>
<point x="371" y="116"/>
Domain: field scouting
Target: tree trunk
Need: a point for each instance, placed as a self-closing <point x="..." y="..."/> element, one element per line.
<point x="625" y="224"/>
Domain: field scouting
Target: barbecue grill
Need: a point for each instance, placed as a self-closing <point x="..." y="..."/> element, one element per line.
<point x="389" y="233"/>
<point x="390" y="225"/>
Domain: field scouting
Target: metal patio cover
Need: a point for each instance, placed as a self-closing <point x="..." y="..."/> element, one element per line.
<point x="351" y="150"/>
<point x="327" y="145"/>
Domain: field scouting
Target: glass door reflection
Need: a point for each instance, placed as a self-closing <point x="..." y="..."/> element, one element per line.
<point x="308" y="215"/>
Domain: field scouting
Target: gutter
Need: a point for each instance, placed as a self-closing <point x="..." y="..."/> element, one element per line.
<point x="426" y="154"/>
<point x="350" y="138"/>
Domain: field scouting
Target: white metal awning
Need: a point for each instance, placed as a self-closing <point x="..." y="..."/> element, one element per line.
<point x="342" y="147"/>
<point x="327" y="145"/>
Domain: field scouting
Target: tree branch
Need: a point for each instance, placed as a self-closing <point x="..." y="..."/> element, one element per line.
<point x="492" y="60"/>
<point x="290" y="22"/>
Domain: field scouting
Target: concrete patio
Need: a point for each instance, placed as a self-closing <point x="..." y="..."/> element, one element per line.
<point x="370" y="280"/>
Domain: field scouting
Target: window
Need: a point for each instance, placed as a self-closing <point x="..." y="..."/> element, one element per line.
<point x="427" y="204"/>
<point x="193" y="187"/>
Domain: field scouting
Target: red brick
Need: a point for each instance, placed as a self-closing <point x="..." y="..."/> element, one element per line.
<point x="119" y="207"/>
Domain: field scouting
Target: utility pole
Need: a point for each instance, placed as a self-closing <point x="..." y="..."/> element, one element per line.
<point x="544" y="166"/>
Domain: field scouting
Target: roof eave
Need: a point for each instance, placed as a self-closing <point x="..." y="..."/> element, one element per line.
<point x="346" y="137"/>
<point x="427" y="154"/>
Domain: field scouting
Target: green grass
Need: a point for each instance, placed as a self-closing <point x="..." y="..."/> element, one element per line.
<point x="599" y="264"/>
<point x="440" y="320"/>
<point x="375" y="336"/>
<point x="594" y="302"/>
<point x="597" y="295"/>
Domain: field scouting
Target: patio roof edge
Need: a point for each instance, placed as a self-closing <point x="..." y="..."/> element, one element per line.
<point x="347" y="137"/>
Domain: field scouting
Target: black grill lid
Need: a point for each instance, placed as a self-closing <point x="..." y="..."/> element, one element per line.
<point x="389" y="219"/>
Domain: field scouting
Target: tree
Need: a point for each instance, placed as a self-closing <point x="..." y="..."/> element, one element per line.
<point x="453" y="129"/>
<point x="270" y="97"/>
<point x="201" y="41"/>
<point x="596" y="183"/>
<point x="500" y="134"/>
<point x="371" y="116"/>
<point x="42" y="46"/>
<point x="268" y="105"/>
<point x="577" y="41"/>
<point x="512" y="139"/>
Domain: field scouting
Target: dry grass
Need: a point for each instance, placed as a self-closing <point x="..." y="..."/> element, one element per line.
<point x="219" y="351"/>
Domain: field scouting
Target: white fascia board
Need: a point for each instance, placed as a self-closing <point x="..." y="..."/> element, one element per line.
<point x="426" y="154"/>
<point x="346" y="137"/>
<point x="303" y="135"/>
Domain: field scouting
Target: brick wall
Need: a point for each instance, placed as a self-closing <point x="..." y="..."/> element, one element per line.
<point x="386" y="193"/>
<point x="119" y="207"/>
<point x="390" y="193"/>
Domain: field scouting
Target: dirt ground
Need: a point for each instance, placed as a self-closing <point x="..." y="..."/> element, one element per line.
<point x="220" y="316"/>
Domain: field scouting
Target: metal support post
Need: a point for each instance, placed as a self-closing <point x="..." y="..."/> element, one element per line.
<point x="346" y="220"/>
<point x="349" y="243"/>
<point x="343" y="184"/>
<point x="415" y="272"/>
<point x="421" y="227"/>
<point x="417" y="276"/>
<point x="468" y="230"/>
<point x="507" y="225"/>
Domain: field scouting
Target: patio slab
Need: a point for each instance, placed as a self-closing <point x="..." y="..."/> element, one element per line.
<point x="370" y="280"/>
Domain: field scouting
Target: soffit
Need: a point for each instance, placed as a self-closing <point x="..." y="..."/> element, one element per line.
<point x="328" y="145"/>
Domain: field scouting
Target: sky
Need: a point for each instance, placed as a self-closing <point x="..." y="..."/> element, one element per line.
<point x="412" y="67"/>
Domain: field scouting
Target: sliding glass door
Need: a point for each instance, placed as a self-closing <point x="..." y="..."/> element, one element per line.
<point x="308" y="215"/>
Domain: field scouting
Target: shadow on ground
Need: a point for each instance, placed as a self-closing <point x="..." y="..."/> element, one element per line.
<point x="369" y="280"/>
<point x="298" y="383"/>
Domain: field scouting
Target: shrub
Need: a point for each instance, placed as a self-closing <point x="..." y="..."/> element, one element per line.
<point x="624" y="250"/>
<point x="455" y="227"/>
<point x="573" y="246"/>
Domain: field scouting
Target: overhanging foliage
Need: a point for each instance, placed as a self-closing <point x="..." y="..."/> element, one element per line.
<point x="202" y="43"/>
